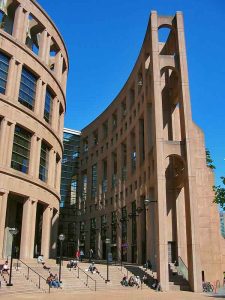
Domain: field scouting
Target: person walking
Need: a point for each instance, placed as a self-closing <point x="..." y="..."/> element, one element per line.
<point x="90" y="254"/>
<point x="81" y="255"/>
<point x="78" y="254"/>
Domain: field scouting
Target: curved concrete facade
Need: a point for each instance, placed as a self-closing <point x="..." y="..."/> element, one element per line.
<point x="145" y="149"/>
<point x="32" y="107"/>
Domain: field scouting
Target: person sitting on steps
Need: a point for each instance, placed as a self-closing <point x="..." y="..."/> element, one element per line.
<point x="45" y="267"/>
<point x="5" y="268"/>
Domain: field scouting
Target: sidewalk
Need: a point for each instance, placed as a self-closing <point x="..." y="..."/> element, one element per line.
<point x="127" y="294"/>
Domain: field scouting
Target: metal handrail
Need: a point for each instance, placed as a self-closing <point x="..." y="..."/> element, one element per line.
<point x="122" y="265"/>
<point x="182" y="268"/>
<point x="28" y="274"/>
<point x="87" y="276"/>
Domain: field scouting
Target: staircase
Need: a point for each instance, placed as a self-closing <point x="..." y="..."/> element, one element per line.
<point x="20" y="284"/>
<point x="177" y="282"/>
<point x="140" y="271"/>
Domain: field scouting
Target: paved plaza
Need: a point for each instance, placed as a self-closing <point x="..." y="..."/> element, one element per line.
<point x="126" y="294"/>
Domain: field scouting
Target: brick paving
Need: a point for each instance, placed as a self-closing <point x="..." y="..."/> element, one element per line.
<point x="127" y="294"/>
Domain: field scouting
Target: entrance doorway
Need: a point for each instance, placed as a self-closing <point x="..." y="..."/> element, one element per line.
<point x="172" y="252"/>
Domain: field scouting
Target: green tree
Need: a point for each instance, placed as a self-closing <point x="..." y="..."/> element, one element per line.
<point x="220" y="194"/>
<point x="219" y="190"/>
<point x="209" y="160"/>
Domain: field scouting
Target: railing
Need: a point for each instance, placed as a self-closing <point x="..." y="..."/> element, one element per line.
<point x="182" y="268"/>
<point x="121" y="266"/>
<point x="27" y="276"/>
<point x="87" y="277"/>
<point x="216" y="286"/>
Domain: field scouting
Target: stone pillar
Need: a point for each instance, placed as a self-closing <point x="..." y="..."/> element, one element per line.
<point x="64" y="80"/>
<point x="58" y="175"/>
<point x="61" y="125"/>
<point x="11" y="78"/>
<point x="18" y="71"/>
<point x="3" y="210"/>
<point x="181" y="226"/>
<point x="43" y="45"/>
<point x="55" y="114"/>
<point x="35" y="151"/>
<point x="129" y="233"/>
<point x="47" y="51"/>
<point x="54" y="234"/>
<point x="37" y="156"/>
<point x="28" y="229"/>
<point x="191" y="201"/>
<point x="51" y="167"/>
<point x="46" y="232"/>
<point x="18" y="27"/>
<point x="24" y="28"/>
<point x="58" y="65"/>
<point x="9" y="143"/>
<point x="3" y="131"/>
<point x="159" y="178"/>
<point x="39" y="98"/>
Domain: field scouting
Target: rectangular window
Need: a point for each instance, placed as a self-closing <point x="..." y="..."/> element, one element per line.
<point x="94" y="181"/>
<point x="84" y="187"/>
<point x="73" y="191"/>
<point x="27" y="89"/>
<point x="43" y="169"/>
<point x="21" y="150"/>
<point x="48" y="106"/>
<point x="4" y="68"/>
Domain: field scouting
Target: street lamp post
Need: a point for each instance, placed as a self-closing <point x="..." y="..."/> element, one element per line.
<point x="107" y="241"/>
<point x="61" y="239"/>
<point x="13" y="232"/>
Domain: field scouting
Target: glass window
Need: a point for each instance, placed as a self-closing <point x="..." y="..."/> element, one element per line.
<point x="43" y="169"/>
<point x="27" y="89"/>
<point x="21" y="150"/>
<point x="4" y="67"/>
<point x="73" y="191"/>
<point x="48" y="106"/>
<point x="94" y="181"/>
<point x="84" y="187"/>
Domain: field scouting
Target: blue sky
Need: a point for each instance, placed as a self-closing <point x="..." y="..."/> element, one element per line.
<point x="104" y="38"/>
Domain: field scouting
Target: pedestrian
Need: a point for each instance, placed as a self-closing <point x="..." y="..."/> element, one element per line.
<point x="81" y="255"/>
<point x="90" y="254"/>
<point x="78" y="254"/>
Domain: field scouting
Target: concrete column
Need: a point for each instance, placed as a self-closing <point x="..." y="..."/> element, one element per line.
<point x="24" y="28"/>
<point x="3" y="130"/>
<point x="43" y="45"/>
<point x="3" y="209"/>
<point x="33" y="155"/>
<point x="28" y="229"/>
<point x="58" y="65"/>
<point x="18" y="23"/>
<point x="18" y="71"/>
<point x="191" y="201"/>
<point x="64" y="80"/>
<point x="36" y="152"/>
<point x="181" y="226"/>
<point x="129" y="233"/>
<point x="39" y="98"/>
<point x="61" y="125"/>
<point x="58" y="174"/>
<point x="51" y="167"/>
<point x="55" y="114"/>
<point x="159" y="178"/>
<point x="54" y="234"/>
<point x="46" y="232"/>
<point x="47" y="51"/>
<point x="11" y="78"/>
<point x="9" y="142"/>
